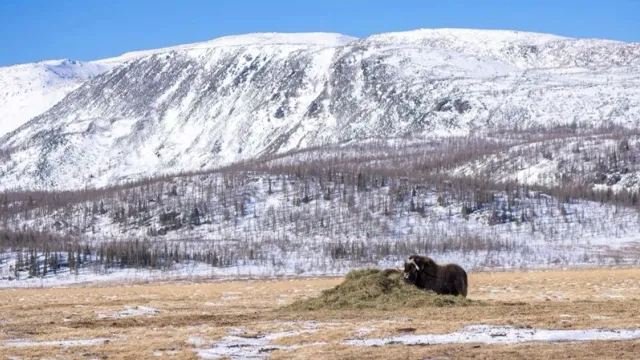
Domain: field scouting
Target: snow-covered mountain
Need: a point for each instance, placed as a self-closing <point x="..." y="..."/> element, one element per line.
<point x="202" y="105"/>
<point x="29" y="90"/>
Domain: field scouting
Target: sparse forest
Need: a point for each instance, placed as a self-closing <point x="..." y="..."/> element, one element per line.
<point x="325" y="210"/>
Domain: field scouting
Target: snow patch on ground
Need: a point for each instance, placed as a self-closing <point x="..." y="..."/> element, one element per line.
<point x="196" y="341"/>
<point x="163" y="353"/>
<point x="129" y="312"/>
<point x="65" y="343"/>
<point x="599" y="317"/>
<point x="237" y="346"/>
<point x="489" y="334"/>
<point x="365" y="331"/>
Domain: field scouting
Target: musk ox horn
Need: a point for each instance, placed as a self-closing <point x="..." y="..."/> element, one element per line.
<point x="412" y="261"/>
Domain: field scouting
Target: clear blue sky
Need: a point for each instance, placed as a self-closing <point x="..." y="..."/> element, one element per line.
<point x="32" y="30"/>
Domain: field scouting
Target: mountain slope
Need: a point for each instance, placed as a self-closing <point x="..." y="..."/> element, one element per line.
<point x="237" y="223"/>
<point x="29" y="90"/>
<point x="203" y="105"/>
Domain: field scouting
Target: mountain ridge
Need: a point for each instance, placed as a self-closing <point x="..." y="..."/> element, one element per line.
<point x="30" y="89"/>
<point x="203" y="105"/>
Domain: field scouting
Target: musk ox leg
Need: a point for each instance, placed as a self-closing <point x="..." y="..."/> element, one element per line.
<point x="463" y="284"/>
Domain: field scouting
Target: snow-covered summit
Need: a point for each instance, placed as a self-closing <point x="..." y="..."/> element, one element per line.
<point x="316" y="39"/>
<point x="491" y="38"/>
<point x="312" y="39"/>
<point x="527" y="50"/>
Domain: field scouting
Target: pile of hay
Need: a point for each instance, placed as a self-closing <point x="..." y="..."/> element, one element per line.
<point x="378" y="289"/>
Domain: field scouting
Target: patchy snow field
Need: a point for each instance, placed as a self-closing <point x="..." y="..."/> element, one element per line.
<point x="512" y="313"/>
<point x="487" y="334"/>
<point x="61" y="343"/>
<point x="252" y="347"/>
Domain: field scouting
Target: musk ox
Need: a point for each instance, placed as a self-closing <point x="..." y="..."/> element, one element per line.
<point x="424" y="273"/>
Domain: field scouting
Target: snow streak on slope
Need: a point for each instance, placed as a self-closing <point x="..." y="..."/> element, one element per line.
<point x="30" y="89"/>
<point x="203" y="105"/>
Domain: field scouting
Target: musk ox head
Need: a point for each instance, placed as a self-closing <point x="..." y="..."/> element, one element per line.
<point x="416" y="266"/>
<point x="411" y="270"/>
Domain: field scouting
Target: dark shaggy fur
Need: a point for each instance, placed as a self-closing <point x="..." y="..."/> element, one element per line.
<point x="424" y="273"/>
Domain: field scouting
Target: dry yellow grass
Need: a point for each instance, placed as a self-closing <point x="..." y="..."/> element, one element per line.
<point x="376" y="289"/>
<point x="600" y="298"/>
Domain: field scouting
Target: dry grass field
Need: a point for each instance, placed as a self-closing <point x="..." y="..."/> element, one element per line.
<point x="185" y="320"/>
